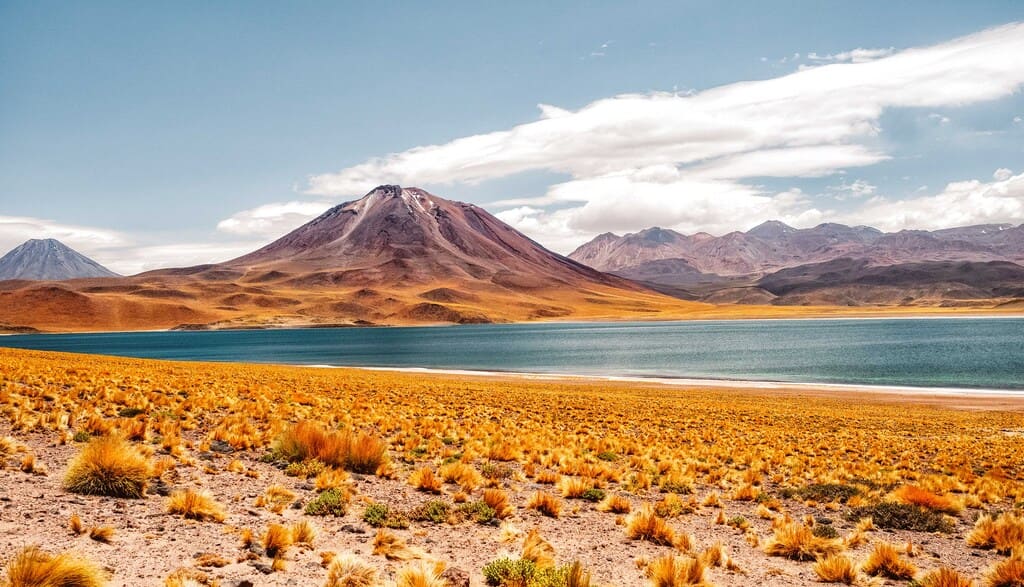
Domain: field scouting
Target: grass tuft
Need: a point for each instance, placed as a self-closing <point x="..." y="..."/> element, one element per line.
<point x="110" y="466"/>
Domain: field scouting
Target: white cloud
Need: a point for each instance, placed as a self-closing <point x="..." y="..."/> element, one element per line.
<point x="1002" y="174"/>
<point x="939" y="118"/>
<point x="855" y="56"/>
<point x="272" y="220"/>
<point x="688" y="160"/>
<point x="858" y="189"/>
<point x="961" y="203"/>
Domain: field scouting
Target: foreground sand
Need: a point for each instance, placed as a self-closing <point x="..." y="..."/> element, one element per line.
<point x="640" y="441"/>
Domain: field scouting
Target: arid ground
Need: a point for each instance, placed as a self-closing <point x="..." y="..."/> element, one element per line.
<point x="640" y="483"/>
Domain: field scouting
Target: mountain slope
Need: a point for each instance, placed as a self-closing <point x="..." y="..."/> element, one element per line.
<point x="395" y="256"/>
<point x="49" y="259"/>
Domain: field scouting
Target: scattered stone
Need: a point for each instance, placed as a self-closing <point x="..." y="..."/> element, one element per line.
<point x="456" y="577"/>
<point x="221" y="447"/>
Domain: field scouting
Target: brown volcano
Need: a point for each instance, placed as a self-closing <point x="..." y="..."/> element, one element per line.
<point x="395" y="256"/>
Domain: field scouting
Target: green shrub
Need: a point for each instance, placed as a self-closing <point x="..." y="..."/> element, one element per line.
<point x="435" y="511"/>
<point x="592" y="494"/>
<point x="478" y="511"/>
<point x="81" y="436"/>
<point x="825" y="531"/>
<point x="332" y="502"/>
<point x="901" y="516"/>
<point x="506" y="571"/>
<point x="607" y="456"/>
<point x="825" y="492"/>
<point x="379" y="515"/>
<point x="130" y="412"/>
<point x="304" y="469"/>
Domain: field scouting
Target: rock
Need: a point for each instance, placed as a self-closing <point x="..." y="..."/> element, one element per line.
<point x="455" y="577"/>
<point x="263" y="568"/>
<point x="353" y="529"/>
<point x="822" y="520"/>
<point x="221" y="447"/>
<point x="244" y="583"/>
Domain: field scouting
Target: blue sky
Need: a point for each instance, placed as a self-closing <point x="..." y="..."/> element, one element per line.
<point x="146" y="134"/>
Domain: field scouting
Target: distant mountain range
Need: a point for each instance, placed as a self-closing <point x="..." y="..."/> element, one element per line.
<point x="396" y="256"/>
<point x="829" y="264"/>
<point x="49" y="259"/>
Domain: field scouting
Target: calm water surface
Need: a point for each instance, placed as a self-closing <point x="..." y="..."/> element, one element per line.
<point x="975" y="353"/>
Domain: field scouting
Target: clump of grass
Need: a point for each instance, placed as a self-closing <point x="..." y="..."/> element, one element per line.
<point x="825" y="531"/>
<point x="307" y="441"/>
<point x="836" y="568"/>
<point x="304" y="532"/>
<point x="574" y="487"/>
<point x="349" y="571"/>
<point x="914" y="495"/>
<point x="902" y="516"/>
<point x="32" y="567"/>
<point x="798" y="542"/>
<point x="944" y="577"/>
<point x="391" y="547"/>
<point x="677" y="571"/>
<point x="647" y="525"/>
<point x="1007" y="573"/>
<point x="885" y="561"/>
<point x="110" y="466"/>
<point x="379" y="515"/>
<point x="277" y="539"/>
<point x="538" y="550"/>
<point x="304" y="469"/>
<point x="1002" y="533"/>
<point x="545" y="503"/>
<point x="195" y="505"/>
<point x="425" y="574"/>
<point x="497" y="500"/>
<point x="104" y="534"/>
<point x="75" y="525"/>
<point x="332" y="502"/>
<point x="425" y="480"/>
<point x="186" y="577"/>
<point x="615" y="504"/>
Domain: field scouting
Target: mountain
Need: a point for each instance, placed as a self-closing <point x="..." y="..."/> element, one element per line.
<point x="396" y="256"/>
<point x="737" y="267"/>
<point x="50" y="260"/>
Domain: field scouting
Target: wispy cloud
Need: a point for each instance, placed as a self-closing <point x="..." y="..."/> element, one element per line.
<point x="692" y="160"/>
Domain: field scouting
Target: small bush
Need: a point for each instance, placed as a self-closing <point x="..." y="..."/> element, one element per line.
<point x="902" y="516"/>
<point x="331" y="502"/>
<point x="914" y="495"/>
<point x="478" y="511"/>
<point x="110" y="466"/>
<point x="379" y="515"/>
<point x="305" y="469"/>
<point x="593" y="494"/>
<point x="825" y="531"/>
<point x="509" y="572"/>
<point x="826" y="492"/>
<point x="435" y="511"/>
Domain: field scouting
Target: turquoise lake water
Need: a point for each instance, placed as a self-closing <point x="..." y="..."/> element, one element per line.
<point x="974" y="353"/>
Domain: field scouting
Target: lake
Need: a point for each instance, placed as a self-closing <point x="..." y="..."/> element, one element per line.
<point x="970" y="353"/>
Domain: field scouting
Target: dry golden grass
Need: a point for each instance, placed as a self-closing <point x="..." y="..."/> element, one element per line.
<point x="915" y="495"/>
<point x="616" y="504"/>
<point x="545" y="503"/>
<point x="104" y="534"/>
<point x="276" y="540"/>
<point x="75" y="524"/>
<point x="836" y="568"/>
<point x="677" y="571"/>
<point x="195" y="505"/>
<point x="424" y="479"/>
<point x="628" y="439"/>
<point x="1007" y="573"/>
<point x="885" y="561"/>
<point x="798" y="542"/>
<point x="108" y="465"/>
<point x="349" y="571"/>
<point x="647" y="525"/>
<point x="1003" y="533"/>
<point x="498" y="500"/>
<point x="32" y="567"/>
<point x="538" y="550"/>
<point x="945" y="577"/>
<point x="185" y="577"/>
<point x="423" y="574"/>
<point x="304" y="532"/>
<point x="391" y="547"/>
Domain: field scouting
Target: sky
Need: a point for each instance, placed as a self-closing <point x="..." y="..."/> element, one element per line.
<point x="150" y="135"/>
